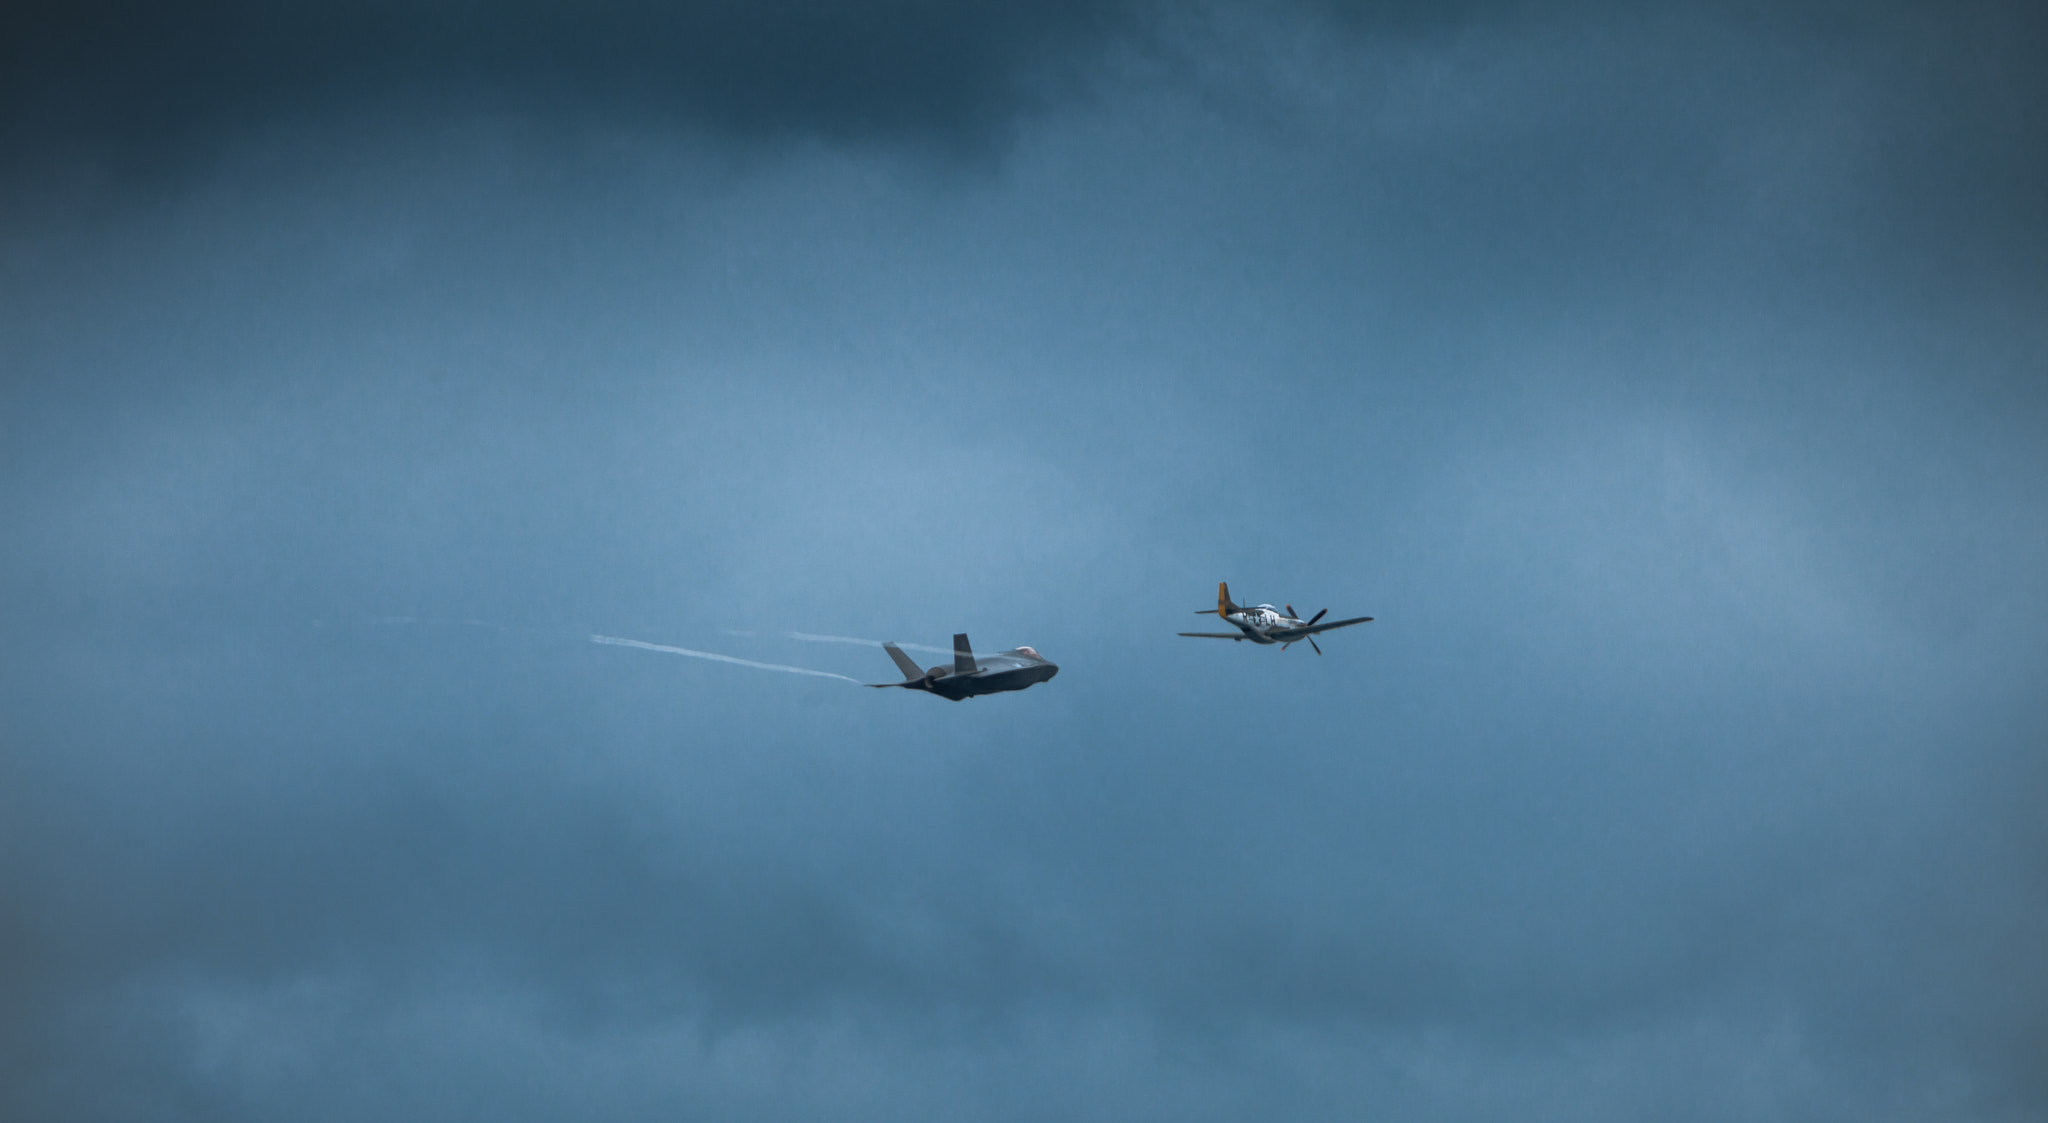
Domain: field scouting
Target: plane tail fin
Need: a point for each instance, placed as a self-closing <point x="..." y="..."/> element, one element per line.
<point x="963" y="655"/>
<point x="911" y="671"/>
<point x="1223" y="605"/>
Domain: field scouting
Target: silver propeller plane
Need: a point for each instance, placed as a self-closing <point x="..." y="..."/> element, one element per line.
<point x="1014" y="669"/>
<point x="1265" y="624"/>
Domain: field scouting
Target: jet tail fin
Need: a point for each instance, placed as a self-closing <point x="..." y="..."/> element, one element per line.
<point x="911" y="671"/>
<point x="963" y="655"/>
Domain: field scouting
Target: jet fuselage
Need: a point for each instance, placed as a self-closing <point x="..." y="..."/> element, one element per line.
<point x="973" y="674"/>
<point x="993" y="674"/>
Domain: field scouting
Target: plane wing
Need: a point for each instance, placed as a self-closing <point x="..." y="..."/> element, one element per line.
<point x="1287" y="634"/>
<point x="1214" y="635"/>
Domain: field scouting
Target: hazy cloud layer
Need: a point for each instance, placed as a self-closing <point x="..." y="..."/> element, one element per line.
<point x="1670" y="387"/>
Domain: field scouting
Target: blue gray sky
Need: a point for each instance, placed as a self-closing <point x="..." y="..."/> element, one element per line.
<point x="1671" y="385"/>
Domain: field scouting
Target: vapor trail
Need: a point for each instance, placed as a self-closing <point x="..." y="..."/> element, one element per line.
<point x="868" y="642"/>
<point x="617" y="642"/>
<point x="467" y="623"/>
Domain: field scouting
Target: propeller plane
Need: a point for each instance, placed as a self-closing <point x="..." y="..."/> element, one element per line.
<point x="1265" y="624"/>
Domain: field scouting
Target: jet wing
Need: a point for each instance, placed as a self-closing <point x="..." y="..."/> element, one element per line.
<point x="1285" y="634"/>
<point x="911" y="671"/>
<point x="1214" y="635"/>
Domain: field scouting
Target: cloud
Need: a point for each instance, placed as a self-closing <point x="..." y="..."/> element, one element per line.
<point x="1692" y="765"/>
<point x="164" y="78"/>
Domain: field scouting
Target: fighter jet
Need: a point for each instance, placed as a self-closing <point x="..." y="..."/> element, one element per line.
<point x="1008" y="670"/>
<point x="1264" y="623"/>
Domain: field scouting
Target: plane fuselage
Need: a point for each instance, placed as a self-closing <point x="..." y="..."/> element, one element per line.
<point x="1257" y="621"/>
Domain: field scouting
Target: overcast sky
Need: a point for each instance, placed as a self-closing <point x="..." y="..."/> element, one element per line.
<point x="1671" y="385"/>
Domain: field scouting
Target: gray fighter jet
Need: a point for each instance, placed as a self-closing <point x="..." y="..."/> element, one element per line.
<point x="1264" y="624"/>
<point x="1008" y="670"/>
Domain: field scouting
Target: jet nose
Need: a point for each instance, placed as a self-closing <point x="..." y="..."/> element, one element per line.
<point x="1051" y="669"/>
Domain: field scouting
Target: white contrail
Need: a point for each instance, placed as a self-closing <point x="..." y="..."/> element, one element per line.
<point x="868" y="642"/>
<point x="621" y="642"/>
<point x="616" y="641"/>
<point x="468" y="623"/>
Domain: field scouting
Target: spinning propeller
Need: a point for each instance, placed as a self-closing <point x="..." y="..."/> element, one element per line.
<point x="1310" y="623"/>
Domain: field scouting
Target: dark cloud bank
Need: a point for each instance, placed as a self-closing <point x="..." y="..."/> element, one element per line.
<point x="153" y="78"/>
<point x="1670" y="386"/>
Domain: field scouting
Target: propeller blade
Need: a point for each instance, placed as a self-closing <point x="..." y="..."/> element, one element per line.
<point x="1318" y="616"/>
<point x="1291" y="612"/>
<point x="1312" y="643"/>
